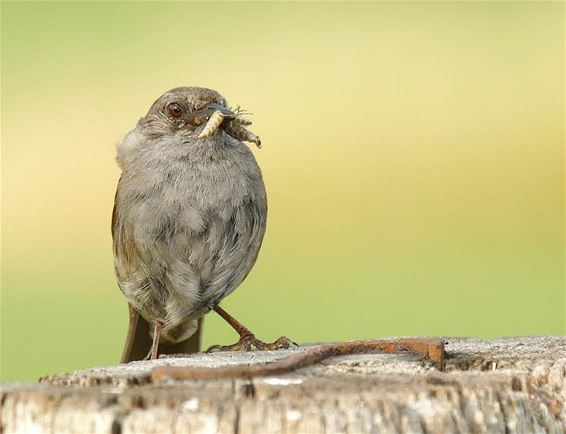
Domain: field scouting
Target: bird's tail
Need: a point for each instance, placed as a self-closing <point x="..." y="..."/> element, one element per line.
<point x="138" y="341"/>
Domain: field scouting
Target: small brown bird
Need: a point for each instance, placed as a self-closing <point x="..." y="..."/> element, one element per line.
<point x="188" y="221"/>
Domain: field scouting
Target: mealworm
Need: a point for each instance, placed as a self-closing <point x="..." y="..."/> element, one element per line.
<point x="212" y="125"/>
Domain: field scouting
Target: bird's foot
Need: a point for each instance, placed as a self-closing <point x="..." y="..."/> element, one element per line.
<point x="248" y="341"/>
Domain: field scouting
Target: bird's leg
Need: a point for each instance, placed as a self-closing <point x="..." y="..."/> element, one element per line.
<point x="247" y="339"/>
<point x="152" y="355"/>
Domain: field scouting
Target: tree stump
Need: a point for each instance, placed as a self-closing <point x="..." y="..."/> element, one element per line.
<point x="512" y="385"/>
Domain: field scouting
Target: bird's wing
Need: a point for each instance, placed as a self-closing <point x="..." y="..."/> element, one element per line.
<point x="138" y="340"/>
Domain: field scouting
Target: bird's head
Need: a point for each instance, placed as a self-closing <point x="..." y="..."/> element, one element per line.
<point x="197" y="112"/>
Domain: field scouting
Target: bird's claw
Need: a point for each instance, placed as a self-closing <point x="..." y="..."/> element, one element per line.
<point x="281" y="343"/>
<point x="249" y="341"/>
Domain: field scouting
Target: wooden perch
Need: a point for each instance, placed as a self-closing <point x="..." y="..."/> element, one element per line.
<point x="513" y="385"/>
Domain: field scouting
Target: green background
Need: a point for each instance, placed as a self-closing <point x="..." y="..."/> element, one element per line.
<point x="413" y="156"/>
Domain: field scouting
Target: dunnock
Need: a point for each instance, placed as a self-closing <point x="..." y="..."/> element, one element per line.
<point x="188" y="221"/>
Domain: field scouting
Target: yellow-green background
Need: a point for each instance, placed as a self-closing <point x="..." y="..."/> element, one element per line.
<point x="413" y="156"/>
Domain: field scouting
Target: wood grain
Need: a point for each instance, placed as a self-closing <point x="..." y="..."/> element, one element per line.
<point x="513" y="385"/>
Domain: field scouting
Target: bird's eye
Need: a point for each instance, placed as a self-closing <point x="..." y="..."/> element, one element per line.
<point x="175" y="110"/>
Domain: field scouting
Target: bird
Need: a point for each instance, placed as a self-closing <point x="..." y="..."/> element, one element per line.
<point x="189" y="217"/>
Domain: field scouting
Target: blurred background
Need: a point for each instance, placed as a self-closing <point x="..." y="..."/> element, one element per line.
<point x="413" y="156"/>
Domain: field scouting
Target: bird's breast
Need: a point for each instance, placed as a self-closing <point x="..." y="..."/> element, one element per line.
<point x="189" y="233"/>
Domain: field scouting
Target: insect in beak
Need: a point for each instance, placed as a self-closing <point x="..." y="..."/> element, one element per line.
<point x="219" y="113"/>
<point x="235" y="126"/>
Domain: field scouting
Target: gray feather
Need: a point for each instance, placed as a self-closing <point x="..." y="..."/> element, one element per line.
<point x="189" y="220"/>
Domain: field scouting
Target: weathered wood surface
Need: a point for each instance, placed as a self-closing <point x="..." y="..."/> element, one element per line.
<point x="514" y="385"/>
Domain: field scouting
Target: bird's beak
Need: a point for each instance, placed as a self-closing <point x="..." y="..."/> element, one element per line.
<point x="219" y="113"/>
<point x="209" y="111"/>
<point x="222" y="109"/>
<point x="236" y="126"/>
